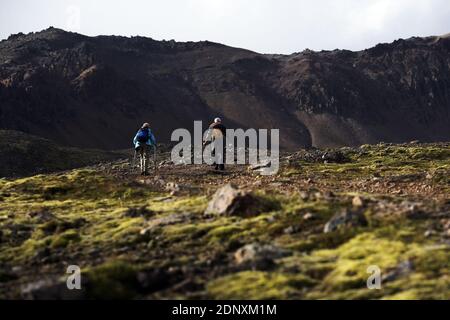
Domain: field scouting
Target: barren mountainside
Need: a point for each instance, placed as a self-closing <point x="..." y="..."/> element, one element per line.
<point x="94" y="91"/>
<point x="23" y="155"/>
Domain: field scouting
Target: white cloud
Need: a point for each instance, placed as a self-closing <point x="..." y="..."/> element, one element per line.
<point x="270" y="26"/>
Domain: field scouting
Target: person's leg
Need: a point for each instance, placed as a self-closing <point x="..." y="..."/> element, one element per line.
<point x="224" y="152"/>
<point x="141" y="159"/>
<point x="146" y="158"/>
<point x="219" y="154"/>
<point x="213" y="155"/>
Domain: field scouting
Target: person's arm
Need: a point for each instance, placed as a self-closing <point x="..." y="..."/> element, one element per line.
<point x="208" y="136"/>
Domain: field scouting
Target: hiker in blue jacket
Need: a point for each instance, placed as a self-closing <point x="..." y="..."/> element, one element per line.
<point x="143" y="141"/>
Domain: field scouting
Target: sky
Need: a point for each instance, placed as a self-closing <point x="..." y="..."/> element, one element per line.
<point x="265" y="26"/>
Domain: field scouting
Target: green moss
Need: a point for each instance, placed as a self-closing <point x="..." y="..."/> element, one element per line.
<point x="182" y="204"/>
<point x="330" y="266"/>
<point x="433" y="261"/>
<point x="112" y="280"/>
<point x="186" y="232"/>
<point x="223" y="233"/>
<point x="256" y="285"/>
<point x="64" y="239"/>
<point x="347" y="279"/>
<point x="385" y="160"/>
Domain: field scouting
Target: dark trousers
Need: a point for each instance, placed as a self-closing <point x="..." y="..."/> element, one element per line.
<point x="220" y="157"/>
<point x="219" y="167"/>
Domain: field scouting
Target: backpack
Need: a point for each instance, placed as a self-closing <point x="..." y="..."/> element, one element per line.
<point x="142" y="136"/>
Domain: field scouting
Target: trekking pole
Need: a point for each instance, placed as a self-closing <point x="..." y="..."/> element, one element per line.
<point x="133" y="165"/>
<point x="154" y="157"/>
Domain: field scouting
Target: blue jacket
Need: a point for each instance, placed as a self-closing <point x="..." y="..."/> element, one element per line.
<point x="150" y="142"/>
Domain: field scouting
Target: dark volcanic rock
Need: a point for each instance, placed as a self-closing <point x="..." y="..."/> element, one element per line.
<point x="345" y="219"/>
<point x="139" y="212"/>
<point x="392" y="92"/>
<point x="153" y="280"/>
<point x="51" y="289"/>
<point x="229" y="200"/>
<point x="258" y="256"/>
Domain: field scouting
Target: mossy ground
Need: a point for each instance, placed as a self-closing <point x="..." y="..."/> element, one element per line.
<point x="116" y="225"/>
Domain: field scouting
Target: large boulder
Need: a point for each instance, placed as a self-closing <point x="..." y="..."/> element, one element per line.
<point x="230" y="200"/>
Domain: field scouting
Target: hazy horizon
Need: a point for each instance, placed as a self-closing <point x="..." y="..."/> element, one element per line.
<point x="265" y="26"/>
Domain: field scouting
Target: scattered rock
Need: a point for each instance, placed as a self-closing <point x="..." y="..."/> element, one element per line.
<point x="165" y="221"/>
<point x="260" y="165"/>
<point x="358" y="202"/>
<point x="309" y="216"/>
<point x="176" y="189"/>
<point x="403" y="269"/>
<point x="173" y="188"/>
<point x="276" y="185"/>
<point x="445" y="224"/>
<point x="42" y="216"/>
<point x="429" y="233"/>
<point x="18" y="232"/>
<point x="316" y="155"/>
<point x="412" y="210"/>
<point x="155" y="181"/>
<point x="326" y="195"/>
<point x="291" y="230"/>
<point x="51" y="289"/>
<point x="188" y="285"/>
<point x="41" y="254"/>
<point x="259" y="256"/>
<point x="334" y="157"/>
<point x="138" y="212"/>
<point x="304" y="195"/>
<point x="153" y="280"/>
<point x="165" y="163"/>
<point x="17" y="269"/>
<point x="318" y="195"/>
<point x="229" y="200"/>
<point x="59" y="225"/>
<point x="345" y="218"/>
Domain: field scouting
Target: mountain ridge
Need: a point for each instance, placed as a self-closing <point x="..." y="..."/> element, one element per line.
<point x="66" y="87"/>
